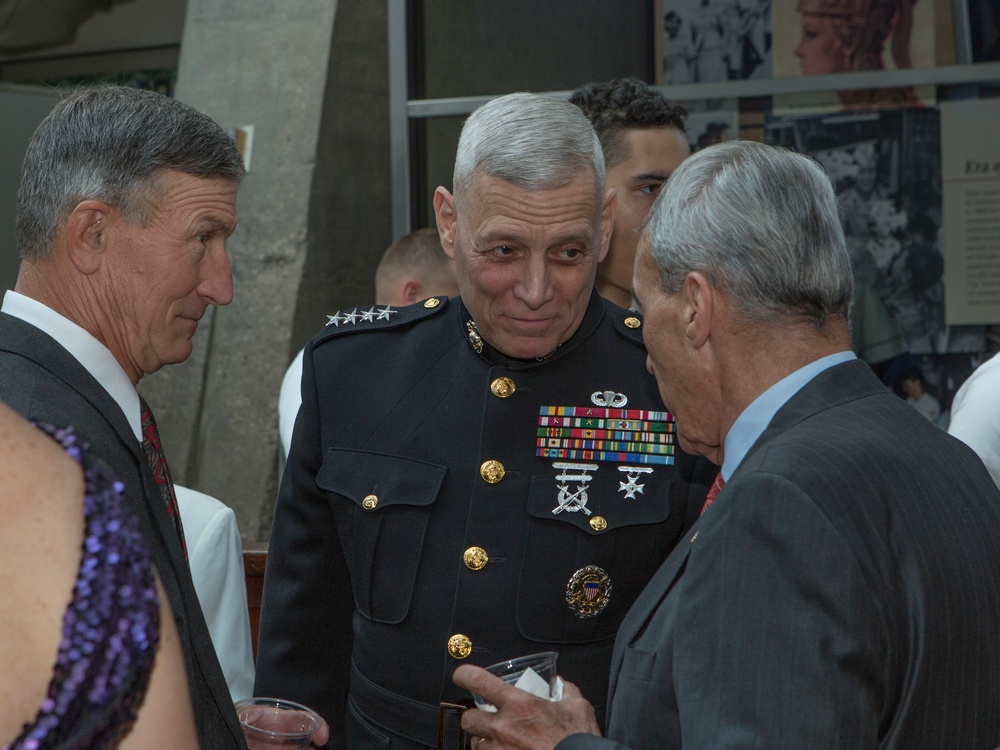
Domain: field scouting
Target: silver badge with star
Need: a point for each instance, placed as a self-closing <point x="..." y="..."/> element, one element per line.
<point x="631" y="488"/>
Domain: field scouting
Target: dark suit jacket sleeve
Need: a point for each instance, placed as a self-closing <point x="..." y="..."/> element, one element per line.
<point x="305" y="636"/>
<point x="588" y="742"/>
<point x="777" y="641"/>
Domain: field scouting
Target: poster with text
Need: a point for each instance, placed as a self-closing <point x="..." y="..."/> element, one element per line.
<point x="970" y="164"/>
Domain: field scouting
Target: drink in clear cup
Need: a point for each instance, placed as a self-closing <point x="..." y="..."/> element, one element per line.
<point x="274" y="724"/>
<point x="535" y="673"/>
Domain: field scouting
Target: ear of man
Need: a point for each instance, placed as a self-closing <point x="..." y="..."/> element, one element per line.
<point x="700" y="302"/>
<point x="444" y="213"/>
<point x="86" y="234"/>
<point x="411" y="291"/>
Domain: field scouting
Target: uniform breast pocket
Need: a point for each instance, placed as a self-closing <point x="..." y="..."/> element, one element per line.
<point x="591" y="547"/>
<point x="381" y="504"/>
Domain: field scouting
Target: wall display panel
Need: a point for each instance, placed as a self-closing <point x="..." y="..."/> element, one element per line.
<point x="711" y="121"/>
<point x="970" y="158"/>
<point x="819" y="37"/>
<point x="715" y="40"/>
<point x="886" y="169"/>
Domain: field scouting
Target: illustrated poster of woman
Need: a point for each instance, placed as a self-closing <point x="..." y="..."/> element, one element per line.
<point x="817" y="37"/>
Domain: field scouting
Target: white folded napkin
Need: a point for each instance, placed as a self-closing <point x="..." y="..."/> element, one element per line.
<point x="532" y="683"/>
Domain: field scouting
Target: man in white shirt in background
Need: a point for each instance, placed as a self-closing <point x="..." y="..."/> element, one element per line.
<point x="975" y="414"/>
<point x="215" y="553"/>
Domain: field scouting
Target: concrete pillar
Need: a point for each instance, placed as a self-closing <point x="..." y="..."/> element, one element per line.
<point x="311" y="77"/>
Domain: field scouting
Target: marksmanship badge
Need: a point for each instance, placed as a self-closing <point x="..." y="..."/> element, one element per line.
<point x="573" y="499"/>
<point x="588" y="591"/>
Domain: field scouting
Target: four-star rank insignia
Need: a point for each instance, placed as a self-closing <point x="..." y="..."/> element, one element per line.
<point x="370" y="315"/>
<point x="588" y="591"/>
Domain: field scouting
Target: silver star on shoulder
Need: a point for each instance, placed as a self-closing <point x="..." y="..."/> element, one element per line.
<point x="368" y="315"/>
<point x="351" y="317"/>
<point x="385" y="312"/>
<point x="335" y="320"/>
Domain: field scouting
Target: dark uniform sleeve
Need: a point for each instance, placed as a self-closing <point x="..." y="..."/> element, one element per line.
<point x="304" y="642"/>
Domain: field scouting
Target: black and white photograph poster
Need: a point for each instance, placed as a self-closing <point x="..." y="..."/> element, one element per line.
<point x="715" y="40"/>
<point x="886" y="168"/>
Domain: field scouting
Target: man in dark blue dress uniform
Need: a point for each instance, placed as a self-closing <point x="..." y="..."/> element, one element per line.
<point x="476" y="478"/>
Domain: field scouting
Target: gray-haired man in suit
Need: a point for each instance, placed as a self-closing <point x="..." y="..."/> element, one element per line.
<point x="841" y="590"/>
<point x="126" y="201"/>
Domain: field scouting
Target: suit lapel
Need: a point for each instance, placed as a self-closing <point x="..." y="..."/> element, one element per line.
<point x="646" y="605"/>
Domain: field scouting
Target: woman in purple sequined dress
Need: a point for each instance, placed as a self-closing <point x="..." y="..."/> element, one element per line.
<point x="89" y="657"/>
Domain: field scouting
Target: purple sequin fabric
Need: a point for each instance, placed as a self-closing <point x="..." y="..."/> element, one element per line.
<point x="110" y="628"/>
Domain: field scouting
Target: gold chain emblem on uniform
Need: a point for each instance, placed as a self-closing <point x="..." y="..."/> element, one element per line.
<point x="474" y="338"/>
<point x="588" y="591"/>
<point x="570" y="499"/>
<point x="631" y="487"/>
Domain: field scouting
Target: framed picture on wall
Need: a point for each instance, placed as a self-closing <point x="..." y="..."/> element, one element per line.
<point x="817" y="37"/>
<point x="707" y="41"/>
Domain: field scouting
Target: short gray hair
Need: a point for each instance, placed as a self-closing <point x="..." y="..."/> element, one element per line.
<point x="762" y="224"/>
<point x="532" y="141"/>
<point x="111" y="143"/>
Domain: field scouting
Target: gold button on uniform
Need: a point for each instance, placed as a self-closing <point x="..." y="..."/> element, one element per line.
<point x="432" y="302"/>
<point x="502" y="387"/>
<point x="598" y="523"/>
<point x="633" y="322"/>
<point x="459" y="646"/>
<point x="491" y="471"/>
<point x="370" y="502"/>
<point x="475" y="558"/>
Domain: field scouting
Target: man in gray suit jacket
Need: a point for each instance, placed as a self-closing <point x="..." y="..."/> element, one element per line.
<point x="125" y="203"/>
<point x="843" y="587"/>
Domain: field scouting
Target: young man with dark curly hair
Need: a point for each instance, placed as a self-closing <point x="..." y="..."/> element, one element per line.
<point x="642" y="134"/>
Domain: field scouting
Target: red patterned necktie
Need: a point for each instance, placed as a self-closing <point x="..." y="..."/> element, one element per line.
<point x="161" y="472"/>
<point x="714" y="490"/>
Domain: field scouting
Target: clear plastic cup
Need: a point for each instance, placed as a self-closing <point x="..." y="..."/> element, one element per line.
<point x="535" y="673"/>
<point x="274" y="724"/>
